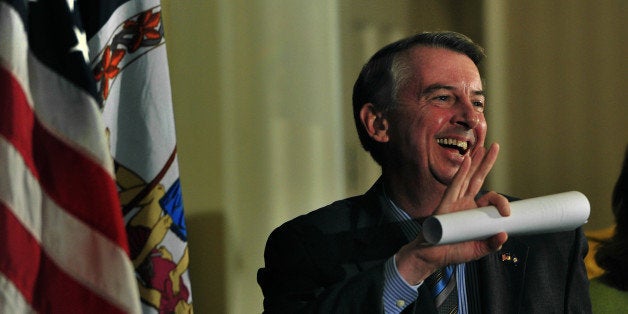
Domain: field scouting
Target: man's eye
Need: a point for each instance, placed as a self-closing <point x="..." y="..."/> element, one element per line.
<point x="442" y="97"/>
<point x="480" y="105"/>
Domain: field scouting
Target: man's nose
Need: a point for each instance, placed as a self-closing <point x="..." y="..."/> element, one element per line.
<point x="467" y="114"/>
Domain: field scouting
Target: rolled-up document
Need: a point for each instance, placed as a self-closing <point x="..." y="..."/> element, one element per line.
<point x="551" y="213"/>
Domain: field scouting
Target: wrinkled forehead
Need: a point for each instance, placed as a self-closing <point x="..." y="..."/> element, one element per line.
<point x="430" y="66"/>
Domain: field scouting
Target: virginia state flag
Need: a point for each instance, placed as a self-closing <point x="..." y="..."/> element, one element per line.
<point x="128" y="60"/>
<point x="63" y="247"/>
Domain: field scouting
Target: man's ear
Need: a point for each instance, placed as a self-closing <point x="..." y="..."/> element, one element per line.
<point x="374" y="123"/>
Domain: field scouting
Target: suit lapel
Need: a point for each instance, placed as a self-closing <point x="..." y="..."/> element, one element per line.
<point x="372" y="230"/>
<point x="502" y="276"/>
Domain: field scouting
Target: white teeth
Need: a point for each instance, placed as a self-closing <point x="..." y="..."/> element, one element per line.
<point x="451" y="141"/>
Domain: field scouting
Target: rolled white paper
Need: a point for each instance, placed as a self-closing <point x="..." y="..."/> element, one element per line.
<point x="550" y="213"/>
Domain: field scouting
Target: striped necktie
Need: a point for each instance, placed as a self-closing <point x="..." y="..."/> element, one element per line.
<point x="442" y="284"/>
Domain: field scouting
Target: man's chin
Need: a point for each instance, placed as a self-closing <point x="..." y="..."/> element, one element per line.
<point x="445" y="177"/>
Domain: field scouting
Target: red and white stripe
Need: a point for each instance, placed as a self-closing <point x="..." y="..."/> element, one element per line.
<point x="63" y="244"/>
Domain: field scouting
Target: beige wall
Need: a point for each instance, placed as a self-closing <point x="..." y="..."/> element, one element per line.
<point x="261" y="95"/>
<point x="191" y="31"/>
<point x="560" y="74"/>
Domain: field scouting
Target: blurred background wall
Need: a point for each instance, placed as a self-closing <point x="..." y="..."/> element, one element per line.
<point x="262" y="96"/>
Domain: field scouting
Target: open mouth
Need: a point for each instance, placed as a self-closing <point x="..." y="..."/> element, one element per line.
<point x="461" y="146"/>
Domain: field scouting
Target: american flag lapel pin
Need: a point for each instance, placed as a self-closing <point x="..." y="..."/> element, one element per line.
<point x="506" y="257"/>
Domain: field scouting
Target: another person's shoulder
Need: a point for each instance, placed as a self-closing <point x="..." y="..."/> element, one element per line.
<point x="606" y="299"/>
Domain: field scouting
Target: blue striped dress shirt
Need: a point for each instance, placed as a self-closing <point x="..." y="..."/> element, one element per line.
<point x="398" y="294"/>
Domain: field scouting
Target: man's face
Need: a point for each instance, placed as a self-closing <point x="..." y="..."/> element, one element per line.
<point x="440" y="115"/>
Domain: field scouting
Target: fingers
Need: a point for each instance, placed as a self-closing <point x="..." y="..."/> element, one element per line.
<point x="476" y="159"/>
<point x="458" y="184"/>
<point x="473" y="250"/>
<point x="416" y="260"/>
<point x="482" y="162"/>
<point x="468" y="180"/>
<point x="483" y="167"/>
<point x="495" y="242"/>
<point x="495" y="199"/>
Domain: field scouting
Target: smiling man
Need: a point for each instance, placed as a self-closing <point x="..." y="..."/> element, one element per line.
<point x="419" y="108"/>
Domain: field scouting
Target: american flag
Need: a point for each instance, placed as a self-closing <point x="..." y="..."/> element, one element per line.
<point x="64" y="248"/>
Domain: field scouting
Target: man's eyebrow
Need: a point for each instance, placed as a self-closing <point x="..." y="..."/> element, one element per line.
<point x="435" y="87"/>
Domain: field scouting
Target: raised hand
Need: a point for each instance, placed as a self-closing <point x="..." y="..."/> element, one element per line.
<point x="417" y="260"/>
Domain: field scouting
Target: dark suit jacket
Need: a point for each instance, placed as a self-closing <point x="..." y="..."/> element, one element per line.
<point x="331" y="261"/>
